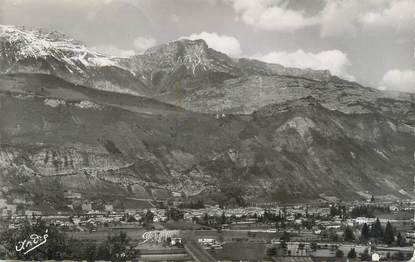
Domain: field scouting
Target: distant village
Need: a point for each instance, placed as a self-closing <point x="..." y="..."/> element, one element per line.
<point x="362" y="230"/>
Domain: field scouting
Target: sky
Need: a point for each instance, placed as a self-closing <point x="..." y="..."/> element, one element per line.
<point x="368" y="41"/>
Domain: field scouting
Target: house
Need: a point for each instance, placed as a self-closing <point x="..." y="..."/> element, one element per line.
<point x="32" y="213"/>
<point x="364" y="220"/>
<point x="76" y="220"/>
<point x="11" y="208"/>
<point x="275" y="241"/>
<point x="109" y="208"/>
<point x="393" y="208"/>
<point x="375" y="257"/>
<point x="19" y="200"/>
<point x="162" y="218"/>
<point x="72" y="195"/>
<point x="410" y="234"/>
<point x="176" y="194"/>
<point x="206" y="241"/>
<point x="86" y="207"/>
<point x="176" y="240"/>
<point x="3" y="202"/>
<point x="5" y="212"/>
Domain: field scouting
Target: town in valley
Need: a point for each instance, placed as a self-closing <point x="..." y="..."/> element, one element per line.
<point x="379" y="227"/>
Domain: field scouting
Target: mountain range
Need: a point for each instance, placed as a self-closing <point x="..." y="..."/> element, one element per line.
<point x="184" y="119"/>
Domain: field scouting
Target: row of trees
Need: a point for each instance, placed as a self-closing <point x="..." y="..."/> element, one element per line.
<point x="376" y="232"/>
<point x="380" y="234"/>
<point x="199" y="204"/>
<point x="358" y="211"/>
<point x="365" y="256"/>
<point x="352" y="254"/>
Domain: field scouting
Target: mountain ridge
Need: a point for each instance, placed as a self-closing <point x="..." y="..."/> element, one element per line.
<point x="201" y="124"/>
<point x="186" y="73"/>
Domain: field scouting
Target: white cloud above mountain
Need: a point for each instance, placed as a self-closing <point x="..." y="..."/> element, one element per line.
<point x="271" y="15"/>
<point x="343" y="18"/>
<point x="223" y="43"/>
<point x="398" y="80"/>
<point x="140" y="44"/>
<point x="336" y="19"/>
<point x="333" y="60"/>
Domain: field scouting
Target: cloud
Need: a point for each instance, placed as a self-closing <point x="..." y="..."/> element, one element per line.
<point x="271" y="15"/>
<point x="223" y="43"/>
<point x="339" y="18"/>
<point x="399" y="14"/>
<point x="141" y="44"/>
<point x="112" y="50"/>
<point x="398" y="80"/>
<point x="334" y="60"/>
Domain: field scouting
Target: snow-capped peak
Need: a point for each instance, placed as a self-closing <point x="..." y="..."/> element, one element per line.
<point x="20" y="43"/>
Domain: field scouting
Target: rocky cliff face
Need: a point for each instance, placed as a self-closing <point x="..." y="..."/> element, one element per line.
<point x="284" y="151"/>
<point x="231" y="130"/>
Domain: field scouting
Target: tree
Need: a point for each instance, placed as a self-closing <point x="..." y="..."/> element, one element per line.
<point x="399" y="256"/>
<point x="365" y="232"/>
<point x="223" y="218"/>
<point x="348" y="234"/>
<point x="334" y="211"/>
<point x="339" y="253"/>
<point x="174" y="214"/>
<point x="271" y="251"/>
<point x="313" y="246"/>
<point x="400" y="241"/>
<point x="117" y="248"/>
<point x="351" y="254"/>
<point x="149" y="217"/>
<point x="389" y="235"/>
<point x="333" y="236"/>
<point x="285" y="237"/>
<point x="377" y="231"/>
<point x="205" y="219"/>
<point x="365" y="256"/>
<point x="131" y="219"/>
<point x="344" y="212"/>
